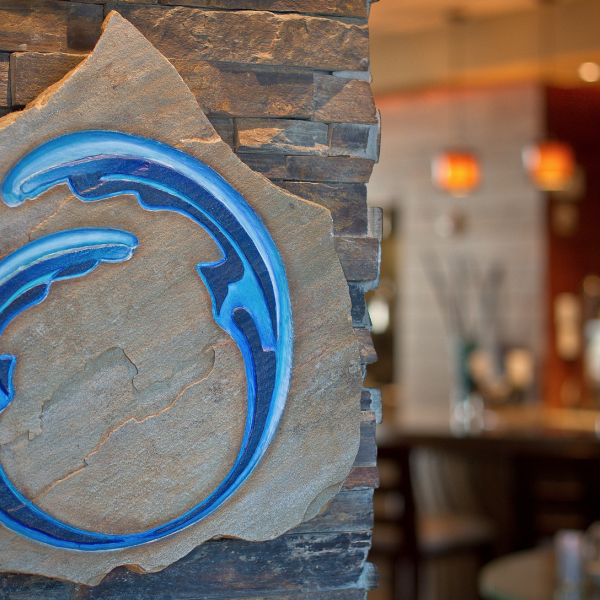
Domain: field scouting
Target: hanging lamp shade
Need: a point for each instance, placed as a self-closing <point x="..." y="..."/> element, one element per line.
<point x="550" y="164"/>
<point x="456" y="172"/>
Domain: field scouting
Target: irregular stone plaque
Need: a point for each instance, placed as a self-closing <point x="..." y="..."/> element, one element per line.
<point x="177" y="359"/>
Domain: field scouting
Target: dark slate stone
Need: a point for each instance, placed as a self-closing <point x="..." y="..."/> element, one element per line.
<point x="5" y="101"/>
<point x="247" y="90"/>
<point x="367" y="451"/>
<point x="347" y="203"/>
<point x="348" y="511"/>
<point x="282" y="136"/>
<point x="362" y="478"/>
<point x="224" y="127"/>
<point x="359" y="312"/>
<point x="371" y="400"/>
<point x="231" y="568"/>
<point x="355" y="140"/>
<point x="15" y="586"/>
<point x="365" y="346"/>
<point x="33" y="72"/>
<point x="266" y="38"/>
<point x="325" y="169"/>
<point x="49" y="25"/>
<point x="341" y="100"/>
<point x="269" y="165"/>
<point x="359" y="257"/>
<point x="337" y="8"/>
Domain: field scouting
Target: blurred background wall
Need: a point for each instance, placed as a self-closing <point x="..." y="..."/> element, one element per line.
<point x="501" y="223"/>
<point x="475" y="74"/>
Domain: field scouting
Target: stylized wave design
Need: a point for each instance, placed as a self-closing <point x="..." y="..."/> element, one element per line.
<point x="26" y="275"/>
<point x="248" y="288"/>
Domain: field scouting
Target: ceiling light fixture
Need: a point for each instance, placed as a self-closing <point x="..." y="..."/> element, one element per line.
<point x="589" y="72"/>
<point x="550" y="165"/>
<point x="456" y="172"/>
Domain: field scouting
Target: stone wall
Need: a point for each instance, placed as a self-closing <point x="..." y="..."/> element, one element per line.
<point x="286" y="84"/>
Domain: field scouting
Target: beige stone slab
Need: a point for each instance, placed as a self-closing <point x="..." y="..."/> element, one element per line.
<point x="130" y="400"/>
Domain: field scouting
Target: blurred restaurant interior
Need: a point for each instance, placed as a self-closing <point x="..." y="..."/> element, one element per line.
<point x="487" y="317"/>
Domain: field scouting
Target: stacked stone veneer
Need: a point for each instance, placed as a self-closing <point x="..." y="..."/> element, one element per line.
<point x="286" y="84"/>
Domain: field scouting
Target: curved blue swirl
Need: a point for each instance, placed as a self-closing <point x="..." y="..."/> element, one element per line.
<point x="27" y="273"/>
<point x="248" y="289"/>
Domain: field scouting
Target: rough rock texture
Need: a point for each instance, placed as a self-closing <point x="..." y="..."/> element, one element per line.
<point x="341" y="8"/>
<point x="130" y="400"/>
<point x="220" y="88"/>
<point x="242" y="90"/>
<point x="355" y="140"/>
<point x="280" y="136"/>
<point x="328" y="168"/>
<point x="347" y="203"/>
<point x="256" y="37"/>
<point x="33" y="72"/>
<point x="4" y="82"/>
<point x="54" y="26"/>
<point x="343" y="100"/>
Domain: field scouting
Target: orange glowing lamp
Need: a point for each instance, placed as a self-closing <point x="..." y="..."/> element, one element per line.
<point x="456" y="172"/>
<point x="550" y="164"/>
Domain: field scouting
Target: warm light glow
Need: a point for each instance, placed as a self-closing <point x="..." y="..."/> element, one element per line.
<point x="550" y="164"/>
<point x="589" y="71"/>
<point x="456" y="172"/>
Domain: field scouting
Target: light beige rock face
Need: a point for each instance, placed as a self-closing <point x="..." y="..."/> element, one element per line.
<point x="130" y="400"/>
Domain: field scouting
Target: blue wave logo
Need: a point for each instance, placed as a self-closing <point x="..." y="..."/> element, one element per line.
<point x="248" y="289"/>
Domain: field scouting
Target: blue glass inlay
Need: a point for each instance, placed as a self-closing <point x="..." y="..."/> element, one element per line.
<point x="248" y="288"/>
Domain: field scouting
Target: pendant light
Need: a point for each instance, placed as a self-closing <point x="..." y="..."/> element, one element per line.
<point x="456" y="171"/>
<point x="550" y="163"/>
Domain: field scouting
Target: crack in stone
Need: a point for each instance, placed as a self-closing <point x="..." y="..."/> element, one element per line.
<point x="131" y="420"/>
<point x="137" y="371"/>
<point x="60" y="481"/>
<point x="310" y="508"/>
<point x="56" y="394"/>
<point x="29" y="434"/>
